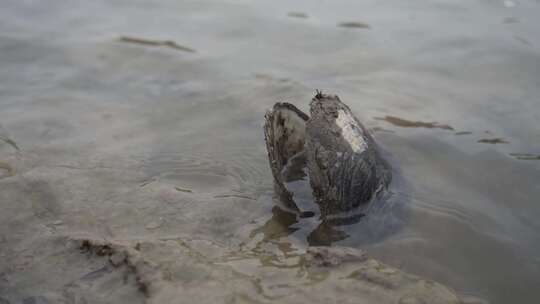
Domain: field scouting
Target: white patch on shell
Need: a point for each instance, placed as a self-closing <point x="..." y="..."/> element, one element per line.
<point x="351" y="132"/>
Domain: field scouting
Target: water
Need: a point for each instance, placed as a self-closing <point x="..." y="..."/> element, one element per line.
<point x="145" y="139"/>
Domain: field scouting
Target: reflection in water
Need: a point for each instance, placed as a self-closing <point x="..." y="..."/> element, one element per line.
<point x="283" y="224"/>
<point x="365" y="224"/>
<point x="493" y="141"/>
<point x="400" y="122"/>
<point x="149" y="42"/>
<point x="326" y="234"/>
<point x="352" y="218"/>
<point x="275" y="241"/>
<point x="368" y="225"/>
<point x="279" y="225"/>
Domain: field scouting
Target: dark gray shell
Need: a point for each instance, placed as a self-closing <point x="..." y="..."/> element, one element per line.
<point x="342" y="159"/>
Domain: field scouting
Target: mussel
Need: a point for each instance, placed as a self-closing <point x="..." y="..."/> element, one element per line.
<point x="343" y="162"/>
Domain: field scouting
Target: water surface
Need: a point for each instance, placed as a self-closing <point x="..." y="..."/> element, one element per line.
<point x="142" y="120"/>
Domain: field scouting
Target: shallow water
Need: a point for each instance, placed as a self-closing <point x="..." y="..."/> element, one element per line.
<point x="159" y="136"/>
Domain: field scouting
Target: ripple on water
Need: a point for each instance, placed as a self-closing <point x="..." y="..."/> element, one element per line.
<point x="242" y="176"/>
<point x="441" y="208"/>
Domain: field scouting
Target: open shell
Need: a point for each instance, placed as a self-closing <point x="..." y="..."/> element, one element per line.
<point x="342" y="159"/>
